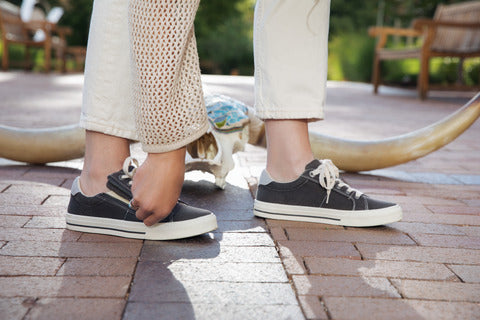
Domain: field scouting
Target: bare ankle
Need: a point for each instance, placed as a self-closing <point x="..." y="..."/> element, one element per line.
<point x="104" y="154"/>
<point x="286" y="171"/>
<point x="92" y="184"/>
<point x="288" y="148"/>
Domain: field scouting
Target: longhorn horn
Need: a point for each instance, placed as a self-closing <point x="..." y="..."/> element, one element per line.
<point x="68" y="142"/>
<point x="354" y="156"/>
<point x="40" y="146"/>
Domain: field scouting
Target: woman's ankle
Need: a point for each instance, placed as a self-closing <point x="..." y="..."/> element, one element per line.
<point x="93" y="179"/>
<point x="288" y="148"/>
<point x="287" y="170"/>
<point x="92" y="184"/>
<point x="104" y="155"/>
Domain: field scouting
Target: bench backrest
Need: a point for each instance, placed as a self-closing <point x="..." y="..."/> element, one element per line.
<point x="457" y="39"/>
<point x="11" y="25"/>
<point x="10" y="22"/>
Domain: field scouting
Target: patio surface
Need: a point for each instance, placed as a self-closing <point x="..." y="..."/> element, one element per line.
<point x="425" y="267"/>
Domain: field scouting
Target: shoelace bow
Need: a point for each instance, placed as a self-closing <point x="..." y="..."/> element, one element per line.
<point x="328" y="176"/>
<point x="130" y="166"/>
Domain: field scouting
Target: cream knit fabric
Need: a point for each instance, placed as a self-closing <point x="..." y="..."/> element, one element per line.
<point x="168" y="97"/>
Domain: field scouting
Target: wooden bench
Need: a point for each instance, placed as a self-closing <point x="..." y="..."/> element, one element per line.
<point x="15" y="31"/>
<point x="454" y="31"/>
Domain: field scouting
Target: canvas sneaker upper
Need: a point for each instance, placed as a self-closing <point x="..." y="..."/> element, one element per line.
<point x="320" y="196"/>
<point x="110" y="212"/>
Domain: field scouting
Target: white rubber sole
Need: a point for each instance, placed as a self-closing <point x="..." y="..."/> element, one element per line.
<point x="360" y="218"/>
<point x="137" y="230"/>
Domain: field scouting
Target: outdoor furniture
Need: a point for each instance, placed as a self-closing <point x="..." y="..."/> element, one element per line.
<point x="78" y="54"/>
<point x="454" y="31"/>
<point x="15" y="31"/>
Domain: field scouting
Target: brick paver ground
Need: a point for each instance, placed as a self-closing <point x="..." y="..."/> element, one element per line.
<point x="425" y="267"/>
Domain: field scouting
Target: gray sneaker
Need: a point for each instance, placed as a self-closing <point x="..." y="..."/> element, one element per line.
<point x="318" y="195"/>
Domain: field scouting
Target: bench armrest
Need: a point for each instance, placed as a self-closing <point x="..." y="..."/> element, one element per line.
<point x="389" y="31"/>
<point x="383" y="32"/>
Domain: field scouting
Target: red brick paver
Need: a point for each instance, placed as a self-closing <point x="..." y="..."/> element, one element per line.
<point x="98" y="308"/>
<point x="48" y="272"/>
<point x="425" y="267"/>
<point x="375" y="308"/>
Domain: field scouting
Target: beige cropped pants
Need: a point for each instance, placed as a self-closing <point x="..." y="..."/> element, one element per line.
<point x="142" y="75"/>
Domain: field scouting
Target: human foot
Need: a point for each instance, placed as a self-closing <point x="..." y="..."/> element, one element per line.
<point x="110" y="213"/>
<point x="318" y="195"/>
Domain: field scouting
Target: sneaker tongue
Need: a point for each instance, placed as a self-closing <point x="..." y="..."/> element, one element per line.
<point x="119" y="186"/>
<point x="313" y="164"/>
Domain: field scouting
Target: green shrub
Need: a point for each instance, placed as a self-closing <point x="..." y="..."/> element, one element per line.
<point x="443" y="71"/>
<point x="472" y="71"/>
<point x="350" y="57"/>
<point x="224" y="36"/>
<point x="227" y="49"/>
<point x="400" y="72"/>
<point x="16" y="53"/>
<point x="77" y="16"/>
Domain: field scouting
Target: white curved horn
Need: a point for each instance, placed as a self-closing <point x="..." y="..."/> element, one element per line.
<point x="68" y="142"/>
<point x="354" y="156"/>
<point x="42" y="145"/>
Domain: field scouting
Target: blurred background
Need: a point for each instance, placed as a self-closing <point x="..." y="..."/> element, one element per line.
<point x="224" y="38"/>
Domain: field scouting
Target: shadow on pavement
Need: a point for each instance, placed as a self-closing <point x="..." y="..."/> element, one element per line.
<point x="99" y="271"/>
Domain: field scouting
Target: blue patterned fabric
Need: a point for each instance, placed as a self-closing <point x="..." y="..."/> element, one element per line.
<point x="225" y="113"/>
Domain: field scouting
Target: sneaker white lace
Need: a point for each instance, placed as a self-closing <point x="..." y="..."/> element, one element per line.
<point x="328" y="176"/>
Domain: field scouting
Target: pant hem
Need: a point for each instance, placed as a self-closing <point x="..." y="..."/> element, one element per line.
<point x="92" y="125"/>
<point x="272" y="114"/>
<point x="161" y="148"/>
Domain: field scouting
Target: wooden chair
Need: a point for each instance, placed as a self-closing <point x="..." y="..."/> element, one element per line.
<point x="454" y="31"/>
<point x="14" y="30"/>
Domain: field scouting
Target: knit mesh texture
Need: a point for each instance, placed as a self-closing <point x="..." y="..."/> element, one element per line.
<point x="169" y="107"/>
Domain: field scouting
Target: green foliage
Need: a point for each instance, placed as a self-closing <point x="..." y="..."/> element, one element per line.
<point x="224" y="36"/>
<point x="404" y="11"/>
<point x="472" y="71"/>
<point x="220" y="54"/>
<point x="223" y="30"/>
<point x="16" y="53"/>
<point x="348" y="18"/>
<point x="350" y="57"/>
<point x="77" y="16"/>
<point x="400" y="72"/>
<point x="443" y="71"/>
<point x="446" y="70"/>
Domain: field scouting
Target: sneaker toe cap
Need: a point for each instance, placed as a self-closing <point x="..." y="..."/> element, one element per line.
<point x="183" y="212"/>
<point x="378" y="204"/>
